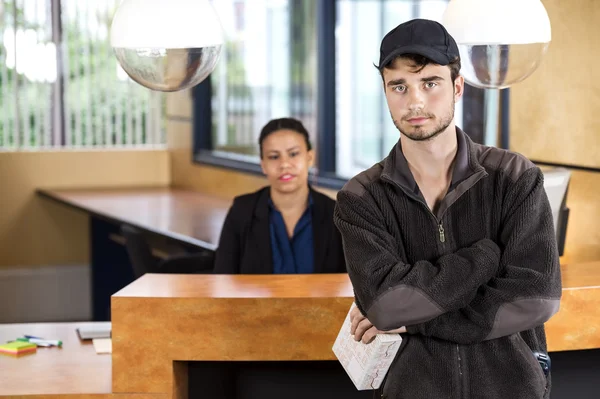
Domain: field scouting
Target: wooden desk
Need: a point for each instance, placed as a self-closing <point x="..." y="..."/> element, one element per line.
<point x="182" y="215"/>
<point x="188" y="217"/>
<point x="577" y="323"/>
<point x="73" y="369"/>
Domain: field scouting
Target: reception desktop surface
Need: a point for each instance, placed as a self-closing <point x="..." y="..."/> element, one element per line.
<point x="73" y="369"/>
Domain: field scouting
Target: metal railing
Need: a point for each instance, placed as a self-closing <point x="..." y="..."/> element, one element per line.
<point x="61" y="86"/>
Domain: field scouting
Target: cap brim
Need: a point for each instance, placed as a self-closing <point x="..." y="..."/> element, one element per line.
<point x="434" y="55"/>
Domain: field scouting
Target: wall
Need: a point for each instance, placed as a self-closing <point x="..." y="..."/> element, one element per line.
<point x="553" y="115"/>
<point x="35" y="231"/>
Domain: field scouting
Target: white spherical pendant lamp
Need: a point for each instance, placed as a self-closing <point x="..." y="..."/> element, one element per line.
<point x="166" y="45"/>
<point x="501" y="42"/>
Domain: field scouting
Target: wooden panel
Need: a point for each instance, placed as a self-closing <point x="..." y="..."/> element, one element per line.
<point x="583" y="235"/>
<point x="73" y="369"/>
<point x="553" y="113"/>
<point x="576" y="325"/>
<point x="222" y="318"/>
<point x="184" y="215"/>
<point x="38" y="232"/>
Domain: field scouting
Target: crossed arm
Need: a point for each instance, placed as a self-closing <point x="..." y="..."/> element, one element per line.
<point x="475" y="294"/>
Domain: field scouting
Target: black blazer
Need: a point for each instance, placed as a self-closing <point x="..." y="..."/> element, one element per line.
<point x="245" y="243"/>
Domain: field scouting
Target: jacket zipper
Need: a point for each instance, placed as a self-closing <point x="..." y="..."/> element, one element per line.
<point x="442" y="234"/>
<point x="460" y="372"/>
<point x="442" y="238"/>
<point x="438" y="222"/>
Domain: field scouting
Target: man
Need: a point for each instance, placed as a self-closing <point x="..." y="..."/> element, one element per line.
<point x="449" y="242"/>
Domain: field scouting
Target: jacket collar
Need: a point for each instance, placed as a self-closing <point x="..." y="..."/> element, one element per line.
<point x="395" y="166"/>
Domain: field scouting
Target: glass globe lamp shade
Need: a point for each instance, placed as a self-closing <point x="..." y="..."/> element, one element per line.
<point x="501" y="42"/>
<point x="166" y="45"/>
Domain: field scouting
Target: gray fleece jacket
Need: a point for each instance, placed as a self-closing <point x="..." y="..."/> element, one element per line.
<point x="473" y="283"/>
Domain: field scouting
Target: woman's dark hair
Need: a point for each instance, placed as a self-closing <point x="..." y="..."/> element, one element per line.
<point x="280" y="124"/>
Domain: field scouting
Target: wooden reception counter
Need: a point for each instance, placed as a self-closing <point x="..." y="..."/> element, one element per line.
<point x="162" y="319"/>
<point x="160" y="322"/>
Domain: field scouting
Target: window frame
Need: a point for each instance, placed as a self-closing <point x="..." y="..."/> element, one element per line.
<point x="202" y="145"/>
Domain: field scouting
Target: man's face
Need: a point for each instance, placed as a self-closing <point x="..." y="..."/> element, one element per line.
<point x="421" y="103"/>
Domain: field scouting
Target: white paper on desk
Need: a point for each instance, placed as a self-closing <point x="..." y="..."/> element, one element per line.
<point x="95" y="330"/>
<point x="366" y="364"/>
<point x="102" y="345"/>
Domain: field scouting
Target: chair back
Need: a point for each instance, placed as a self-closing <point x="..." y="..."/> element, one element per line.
<point x="140" y="254"/>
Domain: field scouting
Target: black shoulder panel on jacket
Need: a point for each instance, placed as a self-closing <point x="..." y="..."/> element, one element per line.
<point x="511" y="163"/>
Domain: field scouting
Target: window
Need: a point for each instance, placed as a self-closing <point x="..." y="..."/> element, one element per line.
<point x="267" y="70"/>
<point x="365" y="132"/>
<point x="320" y="72"/>
<point x="61" y="86"/>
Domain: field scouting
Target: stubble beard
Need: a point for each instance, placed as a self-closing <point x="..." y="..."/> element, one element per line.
<point x="419" y="133"/>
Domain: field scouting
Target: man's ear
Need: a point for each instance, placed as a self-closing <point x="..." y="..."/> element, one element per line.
<point x="459" y="88"/>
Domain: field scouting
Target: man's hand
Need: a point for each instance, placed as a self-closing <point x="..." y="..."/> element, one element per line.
<point x="364" y="331"/>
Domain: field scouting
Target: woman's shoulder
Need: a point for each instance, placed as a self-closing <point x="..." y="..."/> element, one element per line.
<point x="249" y="200"/>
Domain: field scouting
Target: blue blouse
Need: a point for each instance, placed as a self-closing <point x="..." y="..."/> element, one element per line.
<point x="292" y="255"/>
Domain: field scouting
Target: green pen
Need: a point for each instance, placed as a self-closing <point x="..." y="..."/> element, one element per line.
<point x="42" y="342"/>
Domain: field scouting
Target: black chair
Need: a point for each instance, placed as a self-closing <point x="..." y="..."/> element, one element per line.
<point x="142" y="261"/>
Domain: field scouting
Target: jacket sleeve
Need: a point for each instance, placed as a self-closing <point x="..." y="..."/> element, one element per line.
<point x="227" y="257"/>
<point x="392" y="293"/>
<point x="336" y="240"/>
<point x="527" y="291"/>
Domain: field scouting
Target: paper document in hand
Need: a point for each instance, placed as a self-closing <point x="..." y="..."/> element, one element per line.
<point x="366" y="364"/>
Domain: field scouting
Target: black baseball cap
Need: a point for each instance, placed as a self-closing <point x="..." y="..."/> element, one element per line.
<point x="419" y="36"/>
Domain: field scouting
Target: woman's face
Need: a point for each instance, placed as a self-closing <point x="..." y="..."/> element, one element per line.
<point x="286" y="160"/>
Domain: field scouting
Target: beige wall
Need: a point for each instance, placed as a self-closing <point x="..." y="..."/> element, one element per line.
<point x="35" y="231"/>
<point x="554" y="115"/>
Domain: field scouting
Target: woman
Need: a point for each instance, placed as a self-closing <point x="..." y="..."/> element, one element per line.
<point x="286" y="227"/>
